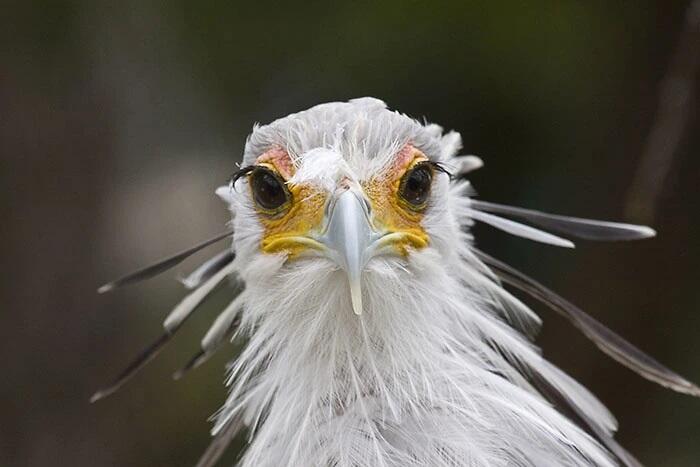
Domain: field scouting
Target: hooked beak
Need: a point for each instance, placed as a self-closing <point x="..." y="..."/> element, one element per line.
<point x="350" y="240"/>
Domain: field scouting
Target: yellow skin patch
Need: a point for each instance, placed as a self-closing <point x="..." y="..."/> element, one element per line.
<point x="391" y="212"/>
<point x="290" y="230"/>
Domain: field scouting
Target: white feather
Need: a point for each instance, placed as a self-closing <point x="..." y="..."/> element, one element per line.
<point x="197" y="277"/>
<point x="466" y="164"/>
<point x="225" y="193"/>
<point x="521" y="230"/>
<point x="321" y="167"/>
<point x="222" y="324"/>
<point x="192" y="301"/>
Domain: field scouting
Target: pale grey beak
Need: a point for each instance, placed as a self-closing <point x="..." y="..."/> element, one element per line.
<point x="349" y="237"/>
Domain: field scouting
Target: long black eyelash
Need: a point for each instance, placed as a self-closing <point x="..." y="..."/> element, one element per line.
<point x="439" y="167"/>
<point x="240" y="173"/>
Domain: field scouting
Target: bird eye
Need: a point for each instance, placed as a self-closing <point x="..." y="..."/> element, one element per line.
<point x="415" y="185"/>
<point x="269" y="191"/>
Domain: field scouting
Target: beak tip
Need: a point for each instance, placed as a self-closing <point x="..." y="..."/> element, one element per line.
<point x="356" y="297"/>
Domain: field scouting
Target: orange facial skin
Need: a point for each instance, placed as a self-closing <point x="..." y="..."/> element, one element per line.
<point x="287" y="232"/>
<point x="290" y="231"/>
<point x="391" y="212"/>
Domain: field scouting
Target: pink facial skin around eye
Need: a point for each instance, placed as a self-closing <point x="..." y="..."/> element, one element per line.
<point x="280" y="159"/>
<point x="404" y="158"/>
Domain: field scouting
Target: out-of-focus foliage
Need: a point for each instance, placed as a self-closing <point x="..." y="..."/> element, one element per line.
<point x="120" y="119"/>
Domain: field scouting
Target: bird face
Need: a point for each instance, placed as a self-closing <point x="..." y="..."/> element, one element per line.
<point x="317" y="205"/>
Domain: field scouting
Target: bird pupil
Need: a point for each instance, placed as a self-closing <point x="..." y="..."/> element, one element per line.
<point x="267" y="189"/>
<point x="417" y="185"/>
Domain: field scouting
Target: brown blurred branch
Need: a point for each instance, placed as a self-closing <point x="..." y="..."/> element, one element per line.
<point x="674" y="106"/>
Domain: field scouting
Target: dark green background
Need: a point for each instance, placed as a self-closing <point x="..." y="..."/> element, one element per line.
<point x="117" y="121"/>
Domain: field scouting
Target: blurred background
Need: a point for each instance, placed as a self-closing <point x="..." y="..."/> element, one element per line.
<point x="119" y="119"/>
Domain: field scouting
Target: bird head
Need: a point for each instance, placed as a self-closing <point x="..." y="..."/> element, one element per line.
<point x="340" y="187"/>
